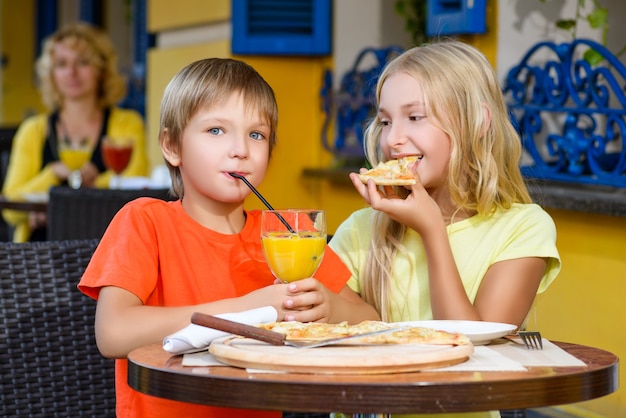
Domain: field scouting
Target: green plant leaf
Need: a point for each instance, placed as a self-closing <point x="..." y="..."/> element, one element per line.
<point x="566" y="24"/>
<point x="593" y="57"/>
<point x="598" y="18"/>
<point x="400" y="8"/>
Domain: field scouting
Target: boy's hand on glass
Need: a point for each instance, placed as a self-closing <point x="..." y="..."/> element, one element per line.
<point x="291" y="300"/>
<point x="307" y="300"/>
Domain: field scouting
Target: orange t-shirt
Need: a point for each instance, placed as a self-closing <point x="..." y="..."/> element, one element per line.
<point x="156" y="251"/>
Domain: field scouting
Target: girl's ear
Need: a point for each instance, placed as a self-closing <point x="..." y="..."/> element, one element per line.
<point x="169" y="151"/>
<point x="486" y="119"/>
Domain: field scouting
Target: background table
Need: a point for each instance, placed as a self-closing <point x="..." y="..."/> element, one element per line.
<point x="153" y="371"/>
<point x="23" y="205"/>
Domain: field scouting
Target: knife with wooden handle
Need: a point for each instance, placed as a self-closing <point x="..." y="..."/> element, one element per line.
<point x="210" y="321"/>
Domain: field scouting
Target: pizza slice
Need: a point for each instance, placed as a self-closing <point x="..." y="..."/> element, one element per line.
<point x="308" y="331"/>
<point x="418" y="335"/>
<point x="392" y="172"/>
<point x="316" y="331"/>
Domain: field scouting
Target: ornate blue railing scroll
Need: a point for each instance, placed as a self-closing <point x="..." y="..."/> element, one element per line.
<point x="571" y="115"/>
<point x="353" y="104"/>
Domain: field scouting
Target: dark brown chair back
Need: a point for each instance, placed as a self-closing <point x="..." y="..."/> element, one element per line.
<point x="86" y="213"/>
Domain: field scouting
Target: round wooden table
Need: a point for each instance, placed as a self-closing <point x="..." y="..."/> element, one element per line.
<point x="153" y="371"/>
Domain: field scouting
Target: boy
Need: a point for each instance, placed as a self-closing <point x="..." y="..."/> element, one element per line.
<point x="159" y="261"/>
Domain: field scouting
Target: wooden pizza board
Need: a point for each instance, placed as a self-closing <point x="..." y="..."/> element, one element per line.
<point x="372" y="359"/>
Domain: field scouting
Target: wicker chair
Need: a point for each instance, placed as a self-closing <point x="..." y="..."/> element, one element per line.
<point x="86" y="213"/>
<point x="51" y="366"/>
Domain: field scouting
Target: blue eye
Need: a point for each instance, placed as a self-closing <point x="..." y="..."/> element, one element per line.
<point x="257" y="135"/>
<point x="215" y="131"/>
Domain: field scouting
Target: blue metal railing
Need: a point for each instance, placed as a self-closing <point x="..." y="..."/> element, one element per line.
<point x="351" y="107"/>
<point x="571" y="115"/>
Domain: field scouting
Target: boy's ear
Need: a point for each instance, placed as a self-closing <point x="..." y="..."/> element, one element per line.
<point x="170" y="152"/>
<point x="486" y="119"/>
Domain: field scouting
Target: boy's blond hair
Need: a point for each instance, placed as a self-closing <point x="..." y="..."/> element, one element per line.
<point x="206" y="83"/>
<point x="459" y="86"/>
<point x="95" y="46"/>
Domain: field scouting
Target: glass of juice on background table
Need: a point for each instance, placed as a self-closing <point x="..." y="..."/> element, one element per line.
<point x="74" y="157"/>
<point x="293" y="242"/>
<point x="116" y="153"/>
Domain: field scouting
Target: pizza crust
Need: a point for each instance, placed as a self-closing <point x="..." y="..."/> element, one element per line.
<point x="387" y="182"/>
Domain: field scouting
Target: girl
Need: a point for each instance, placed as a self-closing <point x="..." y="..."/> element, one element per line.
<point x="465" y="242"/>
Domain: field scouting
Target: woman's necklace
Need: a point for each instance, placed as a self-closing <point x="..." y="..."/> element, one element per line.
<point x="67" y="141"/>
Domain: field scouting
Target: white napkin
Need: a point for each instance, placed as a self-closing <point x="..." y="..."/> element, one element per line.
<point x="201" y="359"/>
<point x="484" y="359"/>
<point x="194" y="337"/>
<point x="551" y="355"/>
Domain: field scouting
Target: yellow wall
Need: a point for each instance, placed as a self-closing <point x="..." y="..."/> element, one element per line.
<point x="167" y="14"/>
<point x="586" y="303"/>
<point x="18" y="96"/>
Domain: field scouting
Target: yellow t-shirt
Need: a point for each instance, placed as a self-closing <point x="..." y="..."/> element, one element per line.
<point x="524" y="230"/>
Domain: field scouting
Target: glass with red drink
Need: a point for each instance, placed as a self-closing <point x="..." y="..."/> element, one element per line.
<point x="116" y="153"/>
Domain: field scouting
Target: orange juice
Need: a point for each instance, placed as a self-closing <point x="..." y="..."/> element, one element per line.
<point x="293" y="257"/>
<point x="73" y="158"/>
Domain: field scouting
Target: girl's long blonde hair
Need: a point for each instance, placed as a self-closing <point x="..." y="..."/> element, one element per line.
<point x="459" y="87"/>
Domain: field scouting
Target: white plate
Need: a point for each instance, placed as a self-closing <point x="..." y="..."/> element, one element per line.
<point x="479" y="332"/>
<point x="36" y="197"/>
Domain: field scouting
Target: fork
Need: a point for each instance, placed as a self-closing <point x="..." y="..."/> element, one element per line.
<point x="531" y="339"/>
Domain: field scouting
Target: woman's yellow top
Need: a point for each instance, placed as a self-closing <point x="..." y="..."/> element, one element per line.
<point x="25" y="174"/>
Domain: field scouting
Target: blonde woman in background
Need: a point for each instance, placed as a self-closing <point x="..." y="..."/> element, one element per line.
<point x="80" y="85"/>
<point x="465" y="242"/>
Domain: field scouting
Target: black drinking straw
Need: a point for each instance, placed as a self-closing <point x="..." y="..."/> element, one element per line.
<point x="265" y="202"/>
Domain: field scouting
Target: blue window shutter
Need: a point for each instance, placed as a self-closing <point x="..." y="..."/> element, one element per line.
<point x="281" y="27"/>
<point x="455" y="17"/>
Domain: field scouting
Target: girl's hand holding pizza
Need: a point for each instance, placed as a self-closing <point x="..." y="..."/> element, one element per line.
<point x="417" y="210"/>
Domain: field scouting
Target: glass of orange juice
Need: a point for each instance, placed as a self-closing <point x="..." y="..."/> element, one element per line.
<point x="74" y="157"/>
<point x="293" y="242"/>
